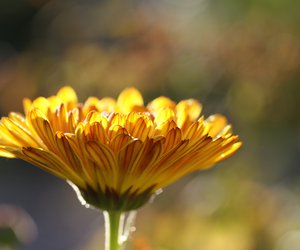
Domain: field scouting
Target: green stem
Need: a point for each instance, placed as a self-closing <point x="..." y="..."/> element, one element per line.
<point x="118" y="226"/>
<point x="112" y="225"/>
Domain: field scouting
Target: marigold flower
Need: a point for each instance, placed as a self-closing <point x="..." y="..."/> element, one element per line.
<point x="118" y="153"/>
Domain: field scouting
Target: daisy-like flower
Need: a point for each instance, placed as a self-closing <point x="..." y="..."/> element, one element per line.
<point x="116" y="153"/>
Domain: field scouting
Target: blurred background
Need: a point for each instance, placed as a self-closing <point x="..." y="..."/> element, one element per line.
<point x="239" y="58"/>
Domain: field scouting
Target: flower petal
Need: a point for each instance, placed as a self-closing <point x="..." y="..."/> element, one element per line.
<point x="187" y="111"/>
<point x="159" y="103"/>
<point x="129" y="99"/>
<point x="106" y="105"/>
<point x="42" y="127"/>
<point x="164" y="115"/>
<point x="215" y="124"/>
<point x="67" y="94"/>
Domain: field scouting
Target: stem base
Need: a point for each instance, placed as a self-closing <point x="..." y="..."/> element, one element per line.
<point x="118" y="226"/>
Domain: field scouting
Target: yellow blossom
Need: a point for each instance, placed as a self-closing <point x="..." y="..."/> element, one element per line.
<point x="117" y="153"/>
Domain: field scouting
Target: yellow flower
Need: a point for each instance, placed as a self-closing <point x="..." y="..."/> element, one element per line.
<point x="117" y="153"/>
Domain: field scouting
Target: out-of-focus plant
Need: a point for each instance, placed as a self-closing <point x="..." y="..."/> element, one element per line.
<point x="249" y="218"/>
<point x="16" y="227"/>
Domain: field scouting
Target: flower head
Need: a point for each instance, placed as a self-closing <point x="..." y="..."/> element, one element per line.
<point x="117" y="153"/>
